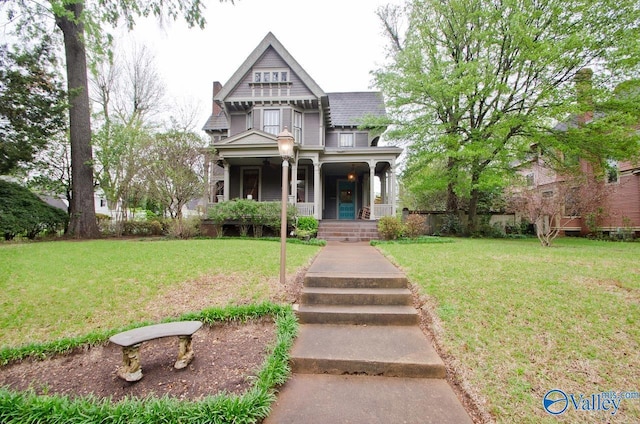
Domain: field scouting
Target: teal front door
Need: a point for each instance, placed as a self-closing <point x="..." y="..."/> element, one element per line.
<point x="346" y="200"/>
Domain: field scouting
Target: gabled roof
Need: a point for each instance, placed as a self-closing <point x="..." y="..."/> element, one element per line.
<point x="348" y="109"/>
<point x="269" y="41"/>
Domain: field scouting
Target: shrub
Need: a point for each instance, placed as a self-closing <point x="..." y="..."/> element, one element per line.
<point x="451" y="225"/>
<point x="243" y="211"/>
<point x="307" y="226"/>
<point x="156" y="227"/>
<point x="185" y="228"/>
<point x="415" y="226"/>
<point x="250" y="213"/>
<point x="389" y="227"/>
<point x="24" y="213"/>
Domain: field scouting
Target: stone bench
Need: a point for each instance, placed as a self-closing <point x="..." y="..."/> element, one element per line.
<point x="132" y="339"/>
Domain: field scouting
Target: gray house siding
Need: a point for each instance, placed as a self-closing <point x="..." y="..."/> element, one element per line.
<point x="311" y="128"/>
<point x="238" y="124"/>
<point x="361" y="139"/>
<point x="331" y="139"/>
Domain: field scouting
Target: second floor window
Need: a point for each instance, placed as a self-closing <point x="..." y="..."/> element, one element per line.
<point x="249" y="120"/>
<point x="297" y="126"/>
<point x="346" y="140"/>
<point x="271" y="121"/>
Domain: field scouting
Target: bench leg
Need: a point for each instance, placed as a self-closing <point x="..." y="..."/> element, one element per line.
<point x="130" y="369"/>
<point x="185" y="353"/>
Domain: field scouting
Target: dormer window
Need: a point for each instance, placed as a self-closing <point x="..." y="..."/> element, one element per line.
<point x="346" y="140"/>
<point x="271" y="76"/>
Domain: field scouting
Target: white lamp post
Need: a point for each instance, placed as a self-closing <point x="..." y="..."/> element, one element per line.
<point x="285" y="148"/>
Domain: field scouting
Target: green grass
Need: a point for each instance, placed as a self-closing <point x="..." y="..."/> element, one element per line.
<point x="519" y="319"/>
<point x="65" y="289"/>
<point x="254" y="405"/>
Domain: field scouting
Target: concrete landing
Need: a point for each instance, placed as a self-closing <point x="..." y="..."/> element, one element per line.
<point x="329" y="399"/>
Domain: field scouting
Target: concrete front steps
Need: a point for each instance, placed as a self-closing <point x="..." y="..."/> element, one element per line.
<point x="346" y="371"/>
<point x="361" y="325"/>
<point x="348" y="230"/>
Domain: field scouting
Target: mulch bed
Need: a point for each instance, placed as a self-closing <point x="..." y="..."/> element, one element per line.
<point x="227" y="355"/>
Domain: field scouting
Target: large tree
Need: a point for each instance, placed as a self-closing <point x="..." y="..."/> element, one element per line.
<point x="80" y="21"/>
<point x="32" y="103"/>
<point x="174" y="170"/>
<point x="129" y="92"/>
<point x="474" y="83"/>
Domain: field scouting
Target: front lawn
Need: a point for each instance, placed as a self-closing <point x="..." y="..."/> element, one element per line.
<point x="63" y="289"/>
<point x="519" y="320"/>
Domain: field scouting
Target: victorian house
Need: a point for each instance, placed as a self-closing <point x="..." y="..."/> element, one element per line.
<point x="338" y="170"/>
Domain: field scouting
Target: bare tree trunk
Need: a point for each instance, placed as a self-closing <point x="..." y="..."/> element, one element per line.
<point x="472" y="225"/>
<point x="83" y="216"/>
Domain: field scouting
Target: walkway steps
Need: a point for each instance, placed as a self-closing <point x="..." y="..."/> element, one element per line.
<point x="360" y="355"/>
<point x="348" y="230"/>
<point x="356" y="296"/>
<point x="345" y="280"/>
<point x="390" y="351"/>
<point x="358" y="314"/>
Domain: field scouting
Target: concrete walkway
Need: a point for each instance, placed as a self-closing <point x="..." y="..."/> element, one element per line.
<point x="360" y="356"/>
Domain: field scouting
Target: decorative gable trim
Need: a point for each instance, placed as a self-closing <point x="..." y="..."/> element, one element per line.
<point x="247" y="66"/>
<point x="250" y="138"/>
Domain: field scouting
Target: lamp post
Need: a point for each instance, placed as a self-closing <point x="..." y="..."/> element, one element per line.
<point x="285" y="149"/>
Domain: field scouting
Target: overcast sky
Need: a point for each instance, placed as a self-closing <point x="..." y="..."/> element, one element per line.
<point x="338" y="43"/>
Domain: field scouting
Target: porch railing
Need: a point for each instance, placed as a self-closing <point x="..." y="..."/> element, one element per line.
<point x="305" y="209"/>
<point x="381" y="210"/>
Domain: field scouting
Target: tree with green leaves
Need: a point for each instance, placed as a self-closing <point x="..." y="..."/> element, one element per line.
<point x="81" y="22"/>
<point x="174" y="170"/>
<point x="32" y="103"/>
<point x="22" y="213"/>
<point x="472" y="84"/>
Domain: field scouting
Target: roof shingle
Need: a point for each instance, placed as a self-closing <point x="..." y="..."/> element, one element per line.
<point x="348" y="109"/>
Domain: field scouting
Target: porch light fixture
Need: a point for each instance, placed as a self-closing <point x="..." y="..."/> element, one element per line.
<point x="351" y="176"/>
<point x="285" y="149"/>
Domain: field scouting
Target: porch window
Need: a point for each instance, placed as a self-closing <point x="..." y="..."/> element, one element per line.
<point x="297" y="126"/>
<point x="301" y="189"/>
<point x="271" y="120"/>
<point x="346" y="140"/>
<point x="251" y="183"/>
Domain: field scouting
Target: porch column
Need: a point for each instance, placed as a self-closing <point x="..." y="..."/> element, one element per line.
<point x="226" y="181"/>
<point x="372" y="190"/>
<point x="393" y="189"/>
<point x="383" y="187"/>
<point x="316" y="190"/>
<point x="294" y="181"/>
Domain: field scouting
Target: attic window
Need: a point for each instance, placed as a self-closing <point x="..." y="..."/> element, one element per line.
<point x="271" y="76"/>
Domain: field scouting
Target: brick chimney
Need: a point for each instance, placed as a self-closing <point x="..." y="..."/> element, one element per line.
<point x="217" y="107"/>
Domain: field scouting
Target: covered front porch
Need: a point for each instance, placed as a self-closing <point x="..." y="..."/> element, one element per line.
<point x="325" y="186"/>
